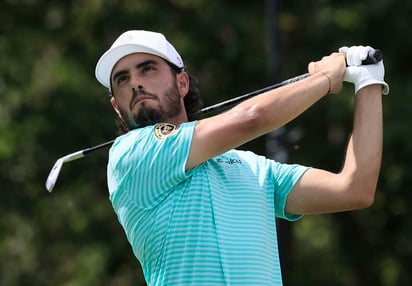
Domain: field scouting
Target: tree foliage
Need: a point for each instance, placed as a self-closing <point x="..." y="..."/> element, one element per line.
<point x="51" y="105"/>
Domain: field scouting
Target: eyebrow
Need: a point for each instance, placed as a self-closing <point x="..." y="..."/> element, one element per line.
<point x="139" y="65"/>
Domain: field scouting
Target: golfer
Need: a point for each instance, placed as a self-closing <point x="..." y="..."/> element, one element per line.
<point x="195" y="210"/>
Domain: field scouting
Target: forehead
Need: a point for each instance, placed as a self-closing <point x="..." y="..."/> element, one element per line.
<point x="131" y="60"/>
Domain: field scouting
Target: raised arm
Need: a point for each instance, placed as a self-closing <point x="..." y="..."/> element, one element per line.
<point x="320" y="191"/>
<point x="265" y="112"/>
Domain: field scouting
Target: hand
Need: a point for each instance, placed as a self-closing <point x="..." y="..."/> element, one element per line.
<point x="363" y="75"/>
<point x="356" y="54"/>
<point x="333" y="67"/>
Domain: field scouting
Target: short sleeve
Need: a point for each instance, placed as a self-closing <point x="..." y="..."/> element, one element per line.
<point x="286" y="176"/>
<point x="149" y="162"/>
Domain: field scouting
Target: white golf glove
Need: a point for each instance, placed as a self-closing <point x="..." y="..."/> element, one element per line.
<point x="363" y="75"/>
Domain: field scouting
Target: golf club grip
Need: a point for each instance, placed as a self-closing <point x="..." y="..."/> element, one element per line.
<point x="374" y="57"/>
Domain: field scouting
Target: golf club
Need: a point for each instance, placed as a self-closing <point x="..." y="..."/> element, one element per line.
<point x="55" y="171"/>
<point x="373" y="57"/>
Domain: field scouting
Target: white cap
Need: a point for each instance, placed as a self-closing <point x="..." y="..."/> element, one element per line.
<point x="135" y="41"/>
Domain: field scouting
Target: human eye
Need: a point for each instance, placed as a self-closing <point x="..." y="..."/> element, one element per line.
<point x="121" y="79"/>
<point x="148" y="69"/>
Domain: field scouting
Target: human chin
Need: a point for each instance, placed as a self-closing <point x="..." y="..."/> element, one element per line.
<point x="145" y="116"/>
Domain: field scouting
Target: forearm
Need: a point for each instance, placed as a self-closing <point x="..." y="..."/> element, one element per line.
<point x="364" y="151"/>
<point x="265" y="112"/>
<point x="275" y="108"/>
<point x="255" y="117"/>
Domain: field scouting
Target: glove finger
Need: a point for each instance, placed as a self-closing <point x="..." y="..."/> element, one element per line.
<point x="359" y="55"/>
<point x="355" y="55"/>
<point x="350" y="74"/>
<point x="364" y="53"/>
<point x="351" y="56"/>
<point x="343" y="49"/>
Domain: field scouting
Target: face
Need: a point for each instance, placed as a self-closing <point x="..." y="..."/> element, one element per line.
<point x="146" y="91"/>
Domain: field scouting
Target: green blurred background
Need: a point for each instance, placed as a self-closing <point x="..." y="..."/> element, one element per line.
<point x="51" y="105"/>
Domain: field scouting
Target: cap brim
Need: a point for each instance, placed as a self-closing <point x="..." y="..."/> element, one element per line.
<point x="111" y="57"/>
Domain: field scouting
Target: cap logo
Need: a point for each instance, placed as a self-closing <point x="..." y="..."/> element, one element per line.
<point x="162" y="130"/>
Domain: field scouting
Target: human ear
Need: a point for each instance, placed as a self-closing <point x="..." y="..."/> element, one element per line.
<point x="115" y="106"/>
<point x="183" y="82"/>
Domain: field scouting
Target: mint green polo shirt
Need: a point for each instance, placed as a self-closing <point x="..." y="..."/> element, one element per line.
<point x="211" y="225"/>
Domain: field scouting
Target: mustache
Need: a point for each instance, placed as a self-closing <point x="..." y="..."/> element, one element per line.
<point x="139" y="93"/>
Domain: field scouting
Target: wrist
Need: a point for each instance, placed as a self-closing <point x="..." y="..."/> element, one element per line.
<point x="370" y="84"/>
<point x="329" y="82"/>
<point x="376" y="88"/>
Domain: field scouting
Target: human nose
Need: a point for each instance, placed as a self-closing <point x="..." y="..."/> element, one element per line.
<point x="137" y="88"/>
<point x="136" y="85"/>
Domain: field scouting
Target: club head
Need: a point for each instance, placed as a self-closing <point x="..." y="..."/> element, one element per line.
<point x="54" y="174"/>
<point x="55" y="171"/>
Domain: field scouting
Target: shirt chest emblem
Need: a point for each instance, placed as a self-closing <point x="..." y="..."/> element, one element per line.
<point x="162" y="130"/>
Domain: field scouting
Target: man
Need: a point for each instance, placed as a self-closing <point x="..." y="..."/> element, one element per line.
<point x="195" y="210"/>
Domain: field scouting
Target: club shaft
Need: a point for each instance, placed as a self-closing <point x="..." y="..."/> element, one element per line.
<point x="97" y="147"/>
<point x="73" y="156"/>
<point x="236" y="100"/>
<point x="374" y="57"/>
<point x="204" y="110"/>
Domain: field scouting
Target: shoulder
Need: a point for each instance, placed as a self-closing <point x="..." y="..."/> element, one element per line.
<point x="158" y="132"/>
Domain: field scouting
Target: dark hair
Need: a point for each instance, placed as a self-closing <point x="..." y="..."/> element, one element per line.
<point x="192" y="101"/>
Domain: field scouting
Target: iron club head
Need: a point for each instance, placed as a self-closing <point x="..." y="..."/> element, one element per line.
<point x="54" y="174"/>
<point x="55" y="171"/>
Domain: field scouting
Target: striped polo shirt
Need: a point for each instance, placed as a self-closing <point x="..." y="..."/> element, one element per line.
<point x="211" y="225"/>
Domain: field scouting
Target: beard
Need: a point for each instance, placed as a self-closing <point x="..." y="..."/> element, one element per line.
<point x="168" y="108"/>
